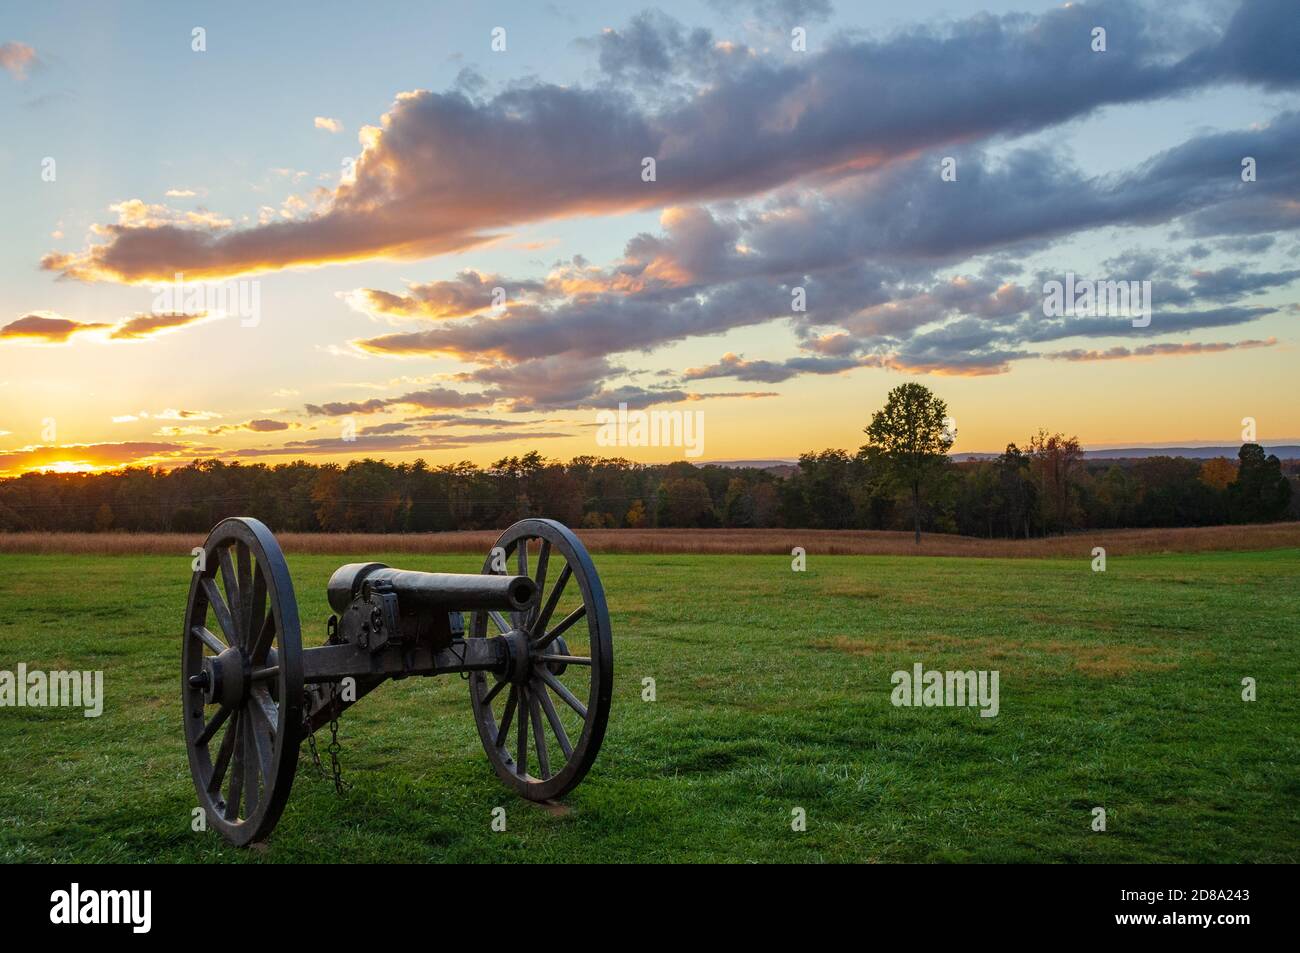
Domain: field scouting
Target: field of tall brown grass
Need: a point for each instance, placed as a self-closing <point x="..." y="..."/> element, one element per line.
<point x="1117" y="542"/>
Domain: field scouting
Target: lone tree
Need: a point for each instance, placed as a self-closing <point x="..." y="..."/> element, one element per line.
<point x="1261" y="493"/>
<point x="912" y="436"/>
<point x="1053" y="461"/>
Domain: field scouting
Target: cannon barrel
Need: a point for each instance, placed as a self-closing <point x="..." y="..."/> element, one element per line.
<point x="449" y="591"/>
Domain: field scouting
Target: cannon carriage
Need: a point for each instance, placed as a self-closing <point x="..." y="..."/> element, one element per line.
<point x="530" y="633"/>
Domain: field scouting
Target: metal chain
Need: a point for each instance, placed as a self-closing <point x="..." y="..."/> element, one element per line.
<point x="311" y="734"/>
<point x="340" y="786"/>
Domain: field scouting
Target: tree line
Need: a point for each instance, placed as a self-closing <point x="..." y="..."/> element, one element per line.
<point x="902" y="478"/>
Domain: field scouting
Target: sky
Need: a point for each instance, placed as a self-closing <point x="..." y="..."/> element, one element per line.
<point x="288" y="231"/>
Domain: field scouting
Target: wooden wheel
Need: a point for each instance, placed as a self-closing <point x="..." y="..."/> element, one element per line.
<point x="241" y="680"/>
<point x="542" y="719"/>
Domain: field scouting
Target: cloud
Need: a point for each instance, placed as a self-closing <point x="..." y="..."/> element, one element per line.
<point x="655" y="48"/>
<point x="1170" y="349"/>
<point x="47" y="327"/>
<point x="395" y="426"/>
<point x="1225" y="284"/>
<point x="455" y="420"/>
<point x="468" y="293"/>
<point x="383" y="442"/>
<point x="151" y="325"/>
<point x="758" y="124"/>
<point x="1259" y="45"/>
<point x="50" y="328"/>
<point x="264" y="425"/>
<point x="258" y="425"/>
<point x="858" y="247"/>
<point x="733" y="365"/>
<point x="328" y="124"/>
<point x="171" y="413"/>
<point x="432" y="397"/>
<point x="341" y="408"/>
<point x="1039" y="329"/>
<point x="16" y="58"/>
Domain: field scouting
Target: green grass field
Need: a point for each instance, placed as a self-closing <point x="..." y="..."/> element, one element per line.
<point x="1120" y="690"/>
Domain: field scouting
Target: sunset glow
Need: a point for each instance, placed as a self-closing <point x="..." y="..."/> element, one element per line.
<point x="450" y="253"/>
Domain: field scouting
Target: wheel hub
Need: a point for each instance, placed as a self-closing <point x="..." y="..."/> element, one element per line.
<point x="557" y="647"/>
<point x="517" y="656"/>
<point x="225" y="678"/>
<point x="521" y="656"/>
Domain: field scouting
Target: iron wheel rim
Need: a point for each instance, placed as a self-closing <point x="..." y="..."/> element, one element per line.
<point x="536" y="696"/>
<point x="239" y="760"/>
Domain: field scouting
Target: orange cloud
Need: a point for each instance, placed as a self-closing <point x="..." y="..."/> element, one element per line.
<point x="46" y="327"/>
<point x="432" y="398"/>
<point x="259" y="425"/>
<point x="944" y="369"/>
<point x="1156" y="350"/>
<point x="86" y="457"/>
<point x="49" y="328"/>
<point x="470" y="292"/>
<point x="15" y="58"/>
<point x="151" y="325"/>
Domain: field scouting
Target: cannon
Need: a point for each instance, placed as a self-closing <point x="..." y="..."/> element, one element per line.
<point x="530" y="633"/>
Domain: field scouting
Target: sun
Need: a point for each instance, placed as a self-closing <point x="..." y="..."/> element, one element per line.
<point x="67" y="466"/>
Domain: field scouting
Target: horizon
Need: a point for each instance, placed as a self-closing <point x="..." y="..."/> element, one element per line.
<point x="728" y="463"/>
<point x="417" y="237"/>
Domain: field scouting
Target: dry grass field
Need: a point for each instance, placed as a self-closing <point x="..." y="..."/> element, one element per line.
<point x="1117" y="542"/>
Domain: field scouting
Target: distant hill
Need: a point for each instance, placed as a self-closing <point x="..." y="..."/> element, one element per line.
<point x="779" y="468"/>
<point x="1285" y="451"/>
<point x="749" y="464"/>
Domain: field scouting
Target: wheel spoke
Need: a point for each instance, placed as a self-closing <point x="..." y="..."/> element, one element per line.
<point x="543" y="557"/>
<point x="201" y="633"/>
<point x="255" y="611"/>
<point x="211" y="727"/>
<point x="244" y="560"/>
<point x="569" y="659"/>
<point x="265" y="710"/>
<point x="560" y="629"/>
<point x="563" y="692"/>
<point x="552" y="602"/>
<point x="262" y="674"/>
<point x="521" y="752"/>
<point x="500" y="621"/>
<point x="492" y="692"/>
<point x="265" y="636"/>
<point x="251" y="765"/>
<point x="223" y="755"/>
<point x="511" y="700"/>
<point x="523" y="556"/>
<point x="231" y="583"/>
<point x="556" y="725"/>
<point x="237" y="769"/>
<point x="539" y="736"/>
<point x="218" y="605"/>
